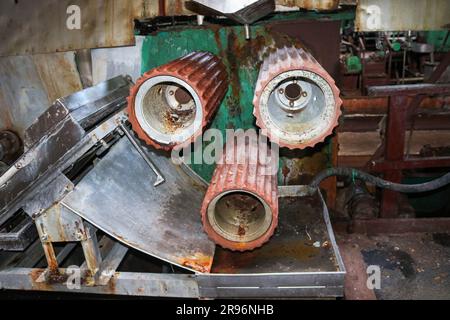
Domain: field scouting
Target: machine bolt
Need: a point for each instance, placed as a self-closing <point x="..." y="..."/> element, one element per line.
<point x="79" y="235"/>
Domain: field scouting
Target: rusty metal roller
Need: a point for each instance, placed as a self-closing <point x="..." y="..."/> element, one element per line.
<point x="171" y="104"/>
<point x="296" y="101"/>
<point x="240" y="208"/>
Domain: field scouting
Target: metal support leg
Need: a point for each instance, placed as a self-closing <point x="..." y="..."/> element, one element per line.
<point x="395" y="145"/>
<point x="111" y="263"/>
<point x="52" y="262"/>
<point x="91" y="251"/>
<point x="113" y="253"/>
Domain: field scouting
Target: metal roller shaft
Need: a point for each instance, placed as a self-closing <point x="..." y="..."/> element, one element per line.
<point x="170" y="105"/>
<point x="240" y="209"/>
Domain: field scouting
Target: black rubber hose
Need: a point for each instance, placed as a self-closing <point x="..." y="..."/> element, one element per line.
<point x="356" y="174"/>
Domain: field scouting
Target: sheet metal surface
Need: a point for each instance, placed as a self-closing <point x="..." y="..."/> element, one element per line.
<point x="30" y="27"/>
<point x="301" y="243"/>
<point x="118" y="197"/>
<point x="29" y="84"/>
<point x="301" y="259"/>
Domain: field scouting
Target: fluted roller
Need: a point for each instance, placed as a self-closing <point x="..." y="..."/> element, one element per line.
<point x="170" y="105"/>
<point x="296" y="101"/>
<point x="240" y="209"/>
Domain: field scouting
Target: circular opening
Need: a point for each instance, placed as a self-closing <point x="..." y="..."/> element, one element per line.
<point x="182" y="96"/>
<point x="239" y="216"/>
<point x="297" y="105"/>
<point x="293" y="91"/>
<point x="163" y="111"/>
<point x="168" y="111"/>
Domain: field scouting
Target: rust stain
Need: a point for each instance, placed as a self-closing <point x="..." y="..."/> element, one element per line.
<point x="241" y="230"/>
<point x="301" y="170"/>
<point x="198" y="262"/>
<point x="58" y="74"/>
<point x="51" y="257"/>
<point x="161" y="7"/>
<point x="171" y="123"/>
<point x="35" y="274"/>
<point x="111" y="285"/>
<point x="55" y="277"/>
<point x="233" y="54"/>
<point x="216" y="30"/>
<point x="52" y="278"/>
<point x="6" y="119"/>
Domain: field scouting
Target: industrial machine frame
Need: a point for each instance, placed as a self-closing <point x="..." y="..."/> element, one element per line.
<point x="65" y="166"/>
<point x="198" y="285"/>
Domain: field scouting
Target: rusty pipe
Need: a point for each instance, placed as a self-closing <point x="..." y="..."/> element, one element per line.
<point x="240" y="208"/>
<point x="170" y="105"/>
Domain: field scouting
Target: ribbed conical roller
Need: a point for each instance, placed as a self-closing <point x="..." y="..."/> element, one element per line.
<point x="240" y="209"/>
<point x="170" y="105"/>
<point x="296" y="101"/>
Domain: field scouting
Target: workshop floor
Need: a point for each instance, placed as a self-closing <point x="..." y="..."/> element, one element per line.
<point x="413" y="266"/>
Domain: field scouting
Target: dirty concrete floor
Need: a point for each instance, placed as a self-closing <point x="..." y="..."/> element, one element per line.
<point x="413" y="266"/>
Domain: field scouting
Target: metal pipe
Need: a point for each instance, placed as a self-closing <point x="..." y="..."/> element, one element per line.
<point x="356" y="174"/>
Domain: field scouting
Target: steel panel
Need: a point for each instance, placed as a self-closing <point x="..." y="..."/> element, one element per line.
<point x="30" y="27"/>
<point x="111" y="62"/>
<point x="29" y="84"/>
<point x="402" y="15"/>
<point x="162" y="221"/>
<point x="300" y="292"/>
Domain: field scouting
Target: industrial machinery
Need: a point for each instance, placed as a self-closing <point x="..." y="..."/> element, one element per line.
<point x="69" y="207"/>
<point x="170" y="105"/>
<point x="89" y="185"/>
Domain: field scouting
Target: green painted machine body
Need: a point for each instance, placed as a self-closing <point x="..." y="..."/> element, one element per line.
<point x="242" y="58"/>
<point x="437" y="39"/>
